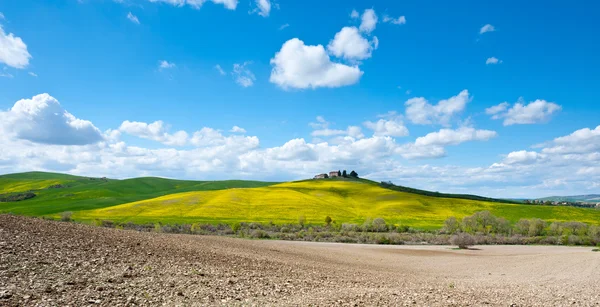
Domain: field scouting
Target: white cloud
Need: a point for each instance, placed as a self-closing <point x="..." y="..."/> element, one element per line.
<point x="156" y="131"/>
<point x="354" y="14"/>
<point x="497" y="108"/>
<point x="165" y="65"/>
<point x="322" y="129"/>
<point x="580" y="136"/>
<point x="31" y="73"/>
<point x="446" y="137"/>
<point x="6" y="75"/>
<point x="237" y="129"/>
<point x="41" y="119"/>
<point x="537" y="111"/>
<point x="522" y="157"/>
<point x="229" y="4"/>
<point x="297" y="65"/>
<point x="487" y="28"/>
<point x="493" y="60"/>
<point x="567" y="164"/>
<point x="133" y="18"/>
<point x="321" y="123"/>
<point x="419" y="111"/>
<point x="243" y="76"/>
<point x="368" y="21"/>
<point x="220" y="70"/>
<point x="384" y="127"/>
<point x="263" y="7"/>
<point x="351" y="45"/>
<point x="13" y="51"/>
<point x="582" y="141"/>
<point x="283" y="26"/>
<point x="397" y="21"/>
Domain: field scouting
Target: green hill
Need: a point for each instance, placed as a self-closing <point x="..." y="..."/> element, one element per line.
<point x="84" y="193"/>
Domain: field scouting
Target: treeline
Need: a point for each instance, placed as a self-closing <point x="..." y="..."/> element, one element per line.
<point x="534" y="230"/>
<point x="480" y="228"/>
<point x="391" y="186"/>
<point x="10" y="197"/>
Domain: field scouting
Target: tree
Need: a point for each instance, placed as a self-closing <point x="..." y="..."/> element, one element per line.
<point x="344" y="174"/>
<point x="326" y="176"/>
<point x="463" y="240"/>
<point x="301" y="220"/>
<point x="339" y="173"/>
<point x="451" y="225"/>
<point x="353" y="174"/>
<point x="328" y="220"/>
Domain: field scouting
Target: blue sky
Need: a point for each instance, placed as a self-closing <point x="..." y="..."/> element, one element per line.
<point x="382" y="82"/>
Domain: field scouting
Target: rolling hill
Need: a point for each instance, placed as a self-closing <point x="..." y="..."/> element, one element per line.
<point x="150" y="199"/>
<point x="84" y="193"/>
<point x="344" y="201"/>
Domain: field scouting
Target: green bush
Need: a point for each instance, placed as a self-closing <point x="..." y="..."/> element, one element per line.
<point x="66" y="216"/>
<point x="379" y="225"/>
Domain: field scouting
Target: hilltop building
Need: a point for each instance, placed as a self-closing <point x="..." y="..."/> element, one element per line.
<point x="333" y="174"/>
<point x="320" y="176"/>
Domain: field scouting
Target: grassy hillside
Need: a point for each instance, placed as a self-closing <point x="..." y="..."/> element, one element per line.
<point x="344" y="201"/>
<point x="83" y="193"/>
<point x="23" y="182"/>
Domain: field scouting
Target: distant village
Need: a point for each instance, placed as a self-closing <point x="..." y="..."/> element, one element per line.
<point x="580" y="204"/>
<point x="337" y="173"/>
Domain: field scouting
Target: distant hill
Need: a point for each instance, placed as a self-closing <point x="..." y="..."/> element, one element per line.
<point x="590" y="198"/>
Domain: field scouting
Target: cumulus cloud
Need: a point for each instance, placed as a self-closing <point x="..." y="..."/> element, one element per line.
<point x="497" y="108"/>
<point x="13" y="51"/>
<point x="354" y="14"/>
<point x="321" y="129"/>
<point x="162" y="65"/>
<point x="242" y="74"/>
<point x="446" y="137"/>
<point x="522" y="157"/>
<point x="133" y="18"/>
<point x="420" y="111"/>
<point x="487" y="28"/>
<point x="229" y="4"/>
<point x="156" y="131"/>
<point x="42" y="119"/>
<point x="368" y="21"/>
<point x="385" y="127"/>
<point x="564" y="164"/>
<point x="237" y="129"/>
<point x="492" y="60"/>
<point x="302" y="66"/>
<point x="583" y="141"/>
<point x="537" y="111"/>
<point x="397" y="21"/>
<point x="351" y="45"/>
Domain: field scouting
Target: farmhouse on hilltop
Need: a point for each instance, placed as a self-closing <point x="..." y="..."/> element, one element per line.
<point x="334" y="174"/>
<point x="320" y="176"/>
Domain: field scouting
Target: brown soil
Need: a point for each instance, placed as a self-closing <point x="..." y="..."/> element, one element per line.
<point x="46" y="263"/>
